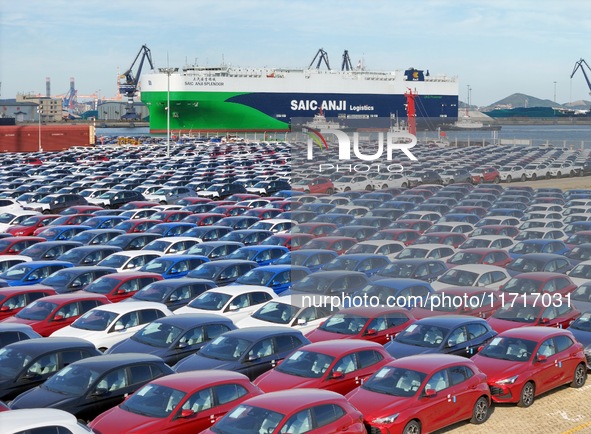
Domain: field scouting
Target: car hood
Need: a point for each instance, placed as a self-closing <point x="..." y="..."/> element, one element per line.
<point x="131" y="346"/>
<point x="318" y="335"/>
<point x="273" y="381"/>
<point x="365" y="401"/>
<point x="581" y="336"/>
<point x="42" y="398"/>
<point x="249" y="321"/>
<point x="398" y="350"/>
<point x="501" y="325"/>
<point x="197" y="362"/>
<point x="16" y="320"/>
<point x="498" y="369"/>
<point x="122" y="421"/>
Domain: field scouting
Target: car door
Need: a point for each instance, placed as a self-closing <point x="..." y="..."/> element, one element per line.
<point x="463" y="391"/>
<point x="549" y="366"/>
<point x="383" y="328"/>
<point x="457" y="342"/>
<point x="440" y="405"/>
<point x="203" y="407"/>
<point x="107" y="392"/>
<point x="259" y="358"/>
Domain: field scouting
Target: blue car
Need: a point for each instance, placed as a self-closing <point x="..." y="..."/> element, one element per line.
<point x="262" y="255"/>
<point x="446" y="334"/>
<point x="406" y="293"/>
<point x="104" y="222"/>
<point x="174" y="266"/>
<point x="530" y="262"/>
<point x="208" y="233"/>
<point x="338" y="219"/>
<point x="222" y="272"/>
<point x="62" y="232"/>
<point x="276" y="277"/>
<point x="88" y="255"/>
<point x="171" y="229"/>
<point x="367" y="263"/>
<point x="414" y="268"/>
<point x="569" y="229"/>
<point x="538" y="246"/>
<point x="313" y="259"/>
<point x="30" y="273"/>
<point x="247" y="237"/>
<point x="174" y="293"/>
<point x="97" y="236"/>
<point x="214" y="250"/>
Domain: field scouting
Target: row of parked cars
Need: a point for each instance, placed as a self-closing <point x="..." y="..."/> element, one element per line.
<point x="203" y="312"/>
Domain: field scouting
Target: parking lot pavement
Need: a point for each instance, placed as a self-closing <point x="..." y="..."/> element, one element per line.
<point x="563" y="411"/>
<point x="563" y="183"/>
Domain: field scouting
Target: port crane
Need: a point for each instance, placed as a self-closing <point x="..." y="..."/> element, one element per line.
<point x="322" y="56"/>
<point x="128" y="81"/>
<point x="581" y="64"/>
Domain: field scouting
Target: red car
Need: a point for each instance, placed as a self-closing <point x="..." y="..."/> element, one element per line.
<point x="337" y="365"/>
<point x="523" y="363"/>
<point x="81" y="209"/>
<point x="485" y="174"/>
<point x="291" y="241"/>
<point x="507" y="230"/>
<point x="192" y="200"/>
<point x="27" y="227"/>
<point x="14" y="299"/>
<point x="230" y="210"/>
<point x="263" y="213"/>
<point x="204" y="218"/>
<point x="138" y="204"/>
<point x="406" y="236"/>
<point x="460" y="300"/>
<point x="72" y="219"/>
<point x="420" y="225"/>
<point x="119" y="286"/>
<point x="336" y="243"/>
<point x="376" y="324"/>
<point x="170" y="215"/>
<point x="53" y="312"/>
<point x="184" y="403"/>
<point x="316" y="185"/>
<point x="450" y="238"/>
<point x="533" y="310"/>
<point x="317" y="229"/>
<point x="15" y="245"/>
<point x="538" y="282"/>
<point x="135" y="226"/>
<point x="498" y="257"/>
<point x="310" y="411"/>
<point x="422" y="394"/>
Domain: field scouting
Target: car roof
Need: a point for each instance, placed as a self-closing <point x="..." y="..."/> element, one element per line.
<point x="479" y="268"/>
<point x="41" y="345"/>
<point x="73" y="296"/>
<point x="540" y="275"/>
<point x="251" y="333"/>
<point x="429" y="362"/>
<point x="450" y="320"/>
<point x="135" y="305"/>
<point x="104" y="362"/>
<point x="399" y="282"/>
<point x="371" y="311"/>
<point x="296" y="398"/>
<point x="339" y="346"/>
<point x="136" y="253"/>
<point x="240" y="289"/>
<point x="192" y="380"/>
<point x="534" y="333"/>
<point x="22" y="420"/>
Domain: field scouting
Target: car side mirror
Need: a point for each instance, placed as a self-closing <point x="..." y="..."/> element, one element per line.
<point x="302" y="321"/>
<point x="371" y="332"/>
<point x="118" y="327"/>
<point x="5" y="308"/>
<point x="182" y="345"/>
<point x="186" y="413"/>
<point x="58" y="318"/>
<point x="544" y="320"/>
<point x="99" y="391"/>
<point x="541" y="358"/>
<point x="430" y="393"/>
<point x="174" y="271"/>
<point x="480" y="348"/>
<point x="31" y="278"/>
<point x="251" y="358"/>
<point x="120" y="291"/>
<point x="336" y="375"/>
<point x="233" y="308"/>
<point x="31" y="375"/>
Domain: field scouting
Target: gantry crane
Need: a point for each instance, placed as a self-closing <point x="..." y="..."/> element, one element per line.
<point x="581" y="64"/>
<point x="128" y="84"/>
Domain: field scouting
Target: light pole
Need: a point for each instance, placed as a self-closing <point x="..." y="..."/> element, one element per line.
<point x="39" y="113"/>
<point x="168" y="72"/>
<point x="554" y="91"/>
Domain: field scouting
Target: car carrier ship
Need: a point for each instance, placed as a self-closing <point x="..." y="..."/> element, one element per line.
<point x="232" y="99"/>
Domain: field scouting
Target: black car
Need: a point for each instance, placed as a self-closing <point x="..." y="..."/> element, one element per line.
<point x="15" y="332"/>
<point x="329" y="283"/>
<point x="133" y="241"/>
<point x="175" y="337"/>
<point x="28" y="363"/>
<point x="460" y="335"/>
<point x="75" y="278"/>
<point x="267" y="188"/>
<point x="114" y="199"/>
<point x="214" y="249"/>
<point x="92" y="237"/>
<point x="88" y="387"/>
<point x="55" y="203"/>
<point x="88" y="255"/>
<point x="249" y="351"/>
<point x="174" y="293"/>
<point x="222" y="272"/>
<point x="222" y="191"/>
<point x="49" y="249"/>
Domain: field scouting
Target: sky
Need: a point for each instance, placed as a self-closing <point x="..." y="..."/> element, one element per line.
<point x="497" y="48"/>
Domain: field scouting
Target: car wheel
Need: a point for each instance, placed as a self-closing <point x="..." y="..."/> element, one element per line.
<point x="480" y="411"/>
<point x="102" y="349"/>
<point x="572" y="173"/>
<point x="162" y="202"/>
<point x="368" y="188"/>
<point x="523" y="177"/>
<point x="497" y="180"/>
<point x="451" y="181"/>
<point x="559" y="174"/>
<point x="509" y="179"/>
<point x="307" y="191"/>
<point x="413" y="427"/>
<point x="330" y="191"/>
<point x="534" y="177"/>
<point x="580" y="376"/>
<point x="385" y="186"/>
<point x="527" y="395"/>
<point x="548" y="175"/>
<point x="46" y="211"/>
<point x="404" y="185"/>
<point x="347" y="189"/>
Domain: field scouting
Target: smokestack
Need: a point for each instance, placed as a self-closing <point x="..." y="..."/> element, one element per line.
<point x="47" y="87"/>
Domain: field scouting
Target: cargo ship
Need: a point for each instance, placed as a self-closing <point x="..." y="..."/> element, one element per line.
<point x="233" y="99"/>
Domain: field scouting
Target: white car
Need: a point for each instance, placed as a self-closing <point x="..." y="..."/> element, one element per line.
<point x="169" y="195"/>
<point x="426" y="251"/>
<point x="108" y="324"/>
<point x="40" y="420"/>
<point x="274" y="225"/>
<point x="143" y="213"/>
<point x="7" y="204"/>
<point x="512" y="173"/>
<point x="488" y="276"/>
<point x="355" y="182"/>
<point x="391" y="180"/>
<point x="581" y="273"/>
<point x="235" y="302"/>
<point x="170" y="245"/>
<point x="283" y="312"/>
<point x="534" y="171"/>
<point x="7" y="261"/>
<point x="13" y="217"/>
<point x="488" y="242"/>
<point x="382" y="247"/>
<point x="130" y="260"/>
<point x="541" y="234"/>
<point x="455" y="227"/>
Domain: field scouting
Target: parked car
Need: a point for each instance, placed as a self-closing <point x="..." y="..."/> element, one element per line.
<point x="30" y="273"/>
<point x="119" y="286"/>
<point x="174" y="293"/>
<point x="222" y="272"/>
<point x="37" y="420"/>
<point x="88" y="255"/>
<point x="489" y="276"/>
<point x="75" y="278"/>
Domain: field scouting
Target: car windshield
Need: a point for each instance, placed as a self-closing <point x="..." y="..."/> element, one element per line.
<point x="16" y="272"/>
<point x="159" y="265"/>
<point x="200" y="249"/>
<point x="12" y="362"/>
<point x="158" y="334"/>
<point x="245" y="254"/>
<point x="159" y="245"/>
<point x="582" y="293"/>
<point x="31" y="221"/>
<point x="256" y="277"/>
<point x="59" y="278"/>
<point x="519" y="312"/>
<point x="95" y="319"/>
<point x="422" y="335"/>
<point x="210" y="300"/>
<point x="153" y="400"/>
<point x="522" y="285"/>
<point x="341" y="263"/>
<point x="458" y="277"/>
<point x="37" y="311"/>
<point x="582" y="323"/>
<point x="71" y="380"/>
<point x="475" y="243"/>
<point x="155" y="291"/>
<point x="275" y="312"/>
<point x="312" y="283"/>
<point x="246" y="419"/>
<point x="526" y="265"/>
<point x="506" y="348"/>
<point x="395" y="381"/>
<point x="523" y="248"/>
<point x="115" y="261"/>
<point x="307" y="364"/>
<point x="461" y="258"/>
<point x="362" y="248"/>
<point x="344" y="324"/>
<point x="410" y="253"/>
<point x="75" y="255"/>
<point x="108" y="195"/>
<point x="102" y="285"/>
<point x="6" y="217"/>
<point x="207" y="270"/>
<point x="225" y="348"/>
